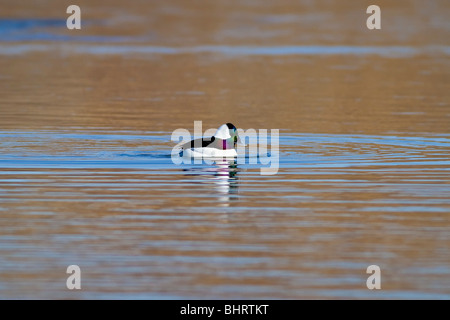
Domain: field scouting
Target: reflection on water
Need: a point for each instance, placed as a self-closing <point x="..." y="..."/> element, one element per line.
<point x="222" y="176"/>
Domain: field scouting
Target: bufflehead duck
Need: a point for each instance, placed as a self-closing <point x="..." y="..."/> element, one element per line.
<point x="221" y="144"/>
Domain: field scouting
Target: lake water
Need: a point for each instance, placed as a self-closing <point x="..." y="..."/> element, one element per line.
<point x="86" y="176"/>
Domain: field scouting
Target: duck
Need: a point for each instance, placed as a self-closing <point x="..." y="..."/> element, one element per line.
<point x="221" y="144"/>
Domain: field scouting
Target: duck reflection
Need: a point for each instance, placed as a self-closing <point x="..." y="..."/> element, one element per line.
<point x="222" y="176"/>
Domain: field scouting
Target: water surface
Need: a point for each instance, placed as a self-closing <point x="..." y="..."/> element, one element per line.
<point x="86" y="176"/>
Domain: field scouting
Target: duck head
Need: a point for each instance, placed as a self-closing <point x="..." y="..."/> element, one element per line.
<point x="229" y="133"/>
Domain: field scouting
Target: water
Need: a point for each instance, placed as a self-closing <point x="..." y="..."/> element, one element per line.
<point x="86" y="176"/>
<point x="141" y="227"/>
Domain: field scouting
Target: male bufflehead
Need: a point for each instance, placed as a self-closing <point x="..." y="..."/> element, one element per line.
<point x="221" y="144"/>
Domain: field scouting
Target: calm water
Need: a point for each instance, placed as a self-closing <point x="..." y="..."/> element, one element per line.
<point x="86" y="176"/>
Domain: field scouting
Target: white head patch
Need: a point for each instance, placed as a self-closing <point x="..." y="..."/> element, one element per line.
<point x="223" y="132"/>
